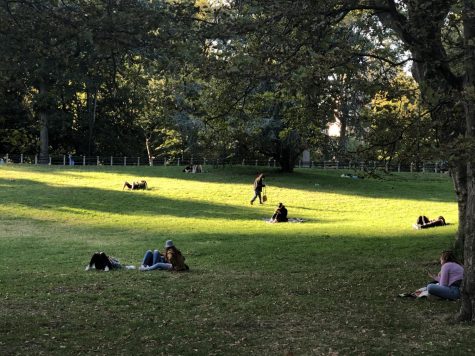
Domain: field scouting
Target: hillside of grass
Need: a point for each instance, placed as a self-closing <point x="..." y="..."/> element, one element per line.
<point x="324" y="286"/>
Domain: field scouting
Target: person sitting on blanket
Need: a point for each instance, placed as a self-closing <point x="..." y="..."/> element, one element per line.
<point x="423" y="222"/>
<point x="280" y="214"/>
<point x="136" y="185"/>
<point x="449" y="278"/>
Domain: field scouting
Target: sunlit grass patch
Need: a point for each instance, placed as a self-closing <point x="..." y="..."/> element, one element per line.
<point x="326" y="285"/>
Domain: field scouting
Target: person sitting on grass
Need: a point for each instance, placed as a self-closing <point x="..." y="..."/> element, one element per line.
<point x="423" y="222"/>
<point x="280" y="214"/>
<point x="449" y="278"/>
<point x="136" y="185"/>
<point x="172" y="259"/>
<point x="154" y="260"/>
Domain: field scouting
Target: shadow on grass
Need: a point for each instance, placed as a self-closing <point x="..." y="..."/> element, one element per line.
<point x="84" y="199"/>
<point x="428" y="186"/>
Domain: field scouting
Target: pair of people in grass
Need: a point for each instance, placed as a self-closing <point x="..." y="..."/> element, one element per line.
<point x="171" y="260"/>
<point x="423" y="222"/>
<point x="142" y="185"/>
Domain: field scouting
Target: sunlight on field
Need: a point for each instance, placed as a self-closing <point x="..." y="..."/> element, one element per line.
<point x="356" y="236"/>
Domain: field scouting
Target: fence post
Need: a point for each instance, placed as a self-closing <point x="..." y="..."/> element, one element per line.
<point x="125" y="160"/>
<point x="49" y="160"/>
<point x="178" y="162"/>
<point x="243" y="162"/>
<point x="311" y="164"/>
<point x="83" y="160"/>
<point x="324" y="165"/>
<point x="64" y="160"/>
<point x="256" y="162"/>
<point x="97" y="160"/>
<point x="274" y="162"/>
<point x="36" y="159"/>
<point x="423" y="167"/>
<point x="112" y="161"/>
<point x="138" y="161"/>
<point x="399" y="167"/>
<point x="6" y="158"/>
<point x="165" y="161"/>
<point x="436" y="168"/>
<point x="21" y="158"/>
<point x="410" y="168"/>
<point x="337" y="164"/>
<point x="204" y="161"/>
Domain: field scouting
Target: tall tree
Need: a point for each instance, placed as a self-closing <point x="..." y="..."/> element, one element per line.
<point x="441" y="39"/>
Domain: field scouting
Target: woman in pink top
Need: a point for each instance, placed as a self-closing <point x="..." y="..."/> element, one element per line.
<point x="449" y="278"/>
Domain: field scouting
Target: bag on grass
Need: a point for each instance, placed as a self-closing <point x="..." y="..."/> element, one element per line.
<point x="264" y="196"/>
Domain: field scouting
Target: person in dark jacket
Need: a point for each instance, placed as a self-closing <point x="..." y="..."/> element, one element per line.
<point x="423" y="222"/>
<point x="258" y="185"/>
<point x="280" y="214"/>
<point x="136" y="185"/>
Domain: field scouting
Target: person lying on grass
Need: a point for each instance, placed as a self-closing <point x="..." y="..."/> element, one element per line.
<point x="101" y="261"/>
<point x="171" y="260"/>
<point x="136" y="185"/>
<point x="423" y="222"/>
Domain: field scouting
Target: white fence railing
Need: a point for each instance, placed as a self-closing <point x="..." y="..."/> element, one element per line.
<point x="81" y="160"/>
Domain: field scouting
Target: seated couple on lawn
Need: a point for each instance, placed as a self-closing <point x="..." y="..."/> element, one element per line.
<point x="423" y="222"/>
<point x="171" y="259"/>
<point x="136" y="185"/>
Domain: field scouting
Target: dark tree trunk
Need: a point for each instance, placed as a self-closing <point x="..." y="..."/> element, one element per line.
<point x="91" y="113"/>
<point x="342" y="145"/>
<point x="43" y="120"/>
<point x="286" y="165"/>
<point x="458" y="172"/>
<point x="467" y="309"/>
<point x="149" y="150"/>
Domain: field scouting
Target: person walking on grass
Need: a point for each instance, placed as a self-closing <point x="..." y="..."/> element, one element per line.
<point x="258" y="185"/>
<point x="449" y="278"/>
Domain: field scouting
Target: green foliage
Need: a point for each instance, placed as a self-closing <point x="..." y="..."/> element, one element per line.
<point x="399" y="126"/>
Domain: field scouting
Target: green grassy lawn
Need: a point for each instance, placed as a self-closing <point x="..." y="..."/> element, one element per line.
<point x="325" y="286"/>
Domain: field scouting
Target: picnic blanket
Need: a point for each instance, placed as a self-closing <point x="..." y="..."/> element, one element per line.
<point x="291" y="220"/>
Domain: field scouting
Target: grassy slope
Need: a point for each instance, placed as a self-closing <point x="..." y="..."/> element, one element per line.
<point x="327" y="285"/>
